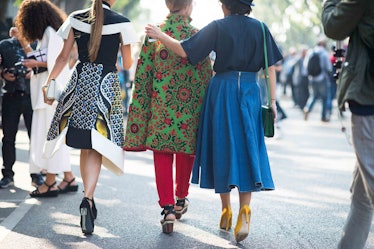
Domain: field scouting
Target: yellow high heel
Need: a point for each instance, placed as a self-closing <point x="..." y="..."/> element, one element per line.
<point x="226" y="219"/>
<point x="242" y="225"/>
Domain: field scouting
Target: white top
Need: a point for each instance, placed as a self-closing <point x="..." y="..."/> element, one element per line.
<point x="125" y="28"/>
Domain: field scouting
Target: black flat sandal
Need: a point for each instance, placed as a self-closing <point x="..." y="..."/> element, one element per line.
<point x="68" y="187"/>
<point x="167" y="224"/>
<point x="181" y="203"/>
<point x="50" y="193"/>
<point x="87" y="217"/>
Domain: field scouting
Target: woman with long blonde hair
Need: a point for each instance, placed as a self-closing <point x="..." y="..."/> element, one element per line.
<point x="89" y="112"/>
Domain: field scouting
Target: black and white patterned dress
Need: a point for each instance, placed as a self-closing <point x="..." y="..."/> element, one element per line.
<point x="89" y="112"/>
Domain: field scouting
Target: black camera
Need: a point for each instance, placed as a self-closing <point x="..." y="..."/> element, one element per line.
<point x="19" y="70"/>
<point x="339" y="54"/>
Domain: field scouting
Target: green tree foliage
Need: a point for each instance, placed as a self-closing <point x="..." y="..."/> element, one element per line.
<point x="292" y="22"/>
<point x="128" y="8"/>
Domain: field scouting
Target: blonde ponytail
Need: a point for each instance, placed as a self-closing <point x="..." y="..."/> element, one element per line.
<point x="97" y="20"/>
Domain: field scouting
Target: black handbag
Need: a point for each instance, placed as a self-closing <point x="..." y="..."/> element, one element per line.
<point x="39" y="55"/>
<point x="267" y="111"/>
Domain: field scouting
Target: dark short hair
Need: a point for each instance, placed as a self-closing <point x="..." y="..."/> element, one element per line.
<point x="237" y="7"/>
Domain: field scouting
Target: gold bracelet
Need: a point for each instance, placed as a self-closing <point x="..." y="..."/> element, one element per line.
<point x="45" y="87"/>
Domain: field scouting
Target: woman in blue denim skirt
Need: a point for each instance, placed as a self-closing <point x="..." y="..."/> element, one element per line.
<point x="231" y="149"/>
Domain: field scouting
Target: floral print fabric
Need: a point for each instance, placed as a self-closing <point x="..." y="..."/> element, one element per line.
<point x="167" y="96"/>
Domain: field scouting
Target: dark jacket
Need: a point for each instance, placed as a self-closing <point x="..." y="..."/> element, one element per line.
<point x="353" y="19"/>
<point x="12" y="54"/>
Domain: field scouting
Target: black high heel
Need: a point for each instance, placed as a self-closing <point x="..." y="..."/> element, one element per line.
<point x="87" y="217"/>
<point x="94" y="210"/>
<point x="181" y="203"/>
<point x="167" y="224"/>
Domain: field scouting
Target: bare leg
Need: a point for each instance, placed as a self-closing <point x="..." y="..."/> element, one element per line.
<point x="226" y="216"/>
<point x="82" y="159"/>
<point x="245" y="198"/>
<point x="90" y="166"/>
<point x="225" y="200"/>
<point x="242" y="225"/>
<point x="68" y="176"/>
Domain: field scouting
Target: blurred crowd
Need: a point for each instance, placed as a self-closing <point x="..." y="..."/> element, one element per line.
<point x="296" y="80"/>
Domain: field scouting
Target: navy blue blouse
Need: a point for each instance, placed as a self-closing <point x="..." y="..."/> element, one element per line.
<point x="238" y="43"/>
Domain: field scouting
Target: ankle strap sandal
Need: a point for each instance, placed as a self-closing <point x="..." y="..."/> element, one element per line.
<point x="183" y="203"/>
<point x="169" y="209"/>
<point x="167" y="224"/>
<point x="49" y="193"/>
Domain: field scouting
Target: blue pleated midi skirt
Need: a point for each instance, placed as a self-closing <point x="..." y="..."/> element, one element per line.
<point x="231" y="150"/>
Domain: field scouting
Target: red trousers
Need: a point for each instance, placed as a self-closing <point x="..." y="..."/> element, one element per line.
<point x="163" y="163"/>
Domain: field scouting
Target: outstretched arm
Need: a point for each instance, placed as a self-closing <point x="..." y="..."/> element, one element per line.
<point x="171" y="43"/>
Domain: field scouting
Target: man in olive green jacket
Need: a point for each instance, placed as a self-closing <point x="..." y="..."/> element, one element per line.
<point x="355" y="19"/>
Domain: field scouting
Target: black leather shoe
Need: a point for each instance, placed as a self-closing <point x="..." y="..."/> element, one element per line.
<point x="37" y="180"/>
<point x="69" y="187"/>
<point x="6" y="182"/>
<point x="94" y="210"/>
<point x="87" y="217"/>
<point x="50" y="193"/>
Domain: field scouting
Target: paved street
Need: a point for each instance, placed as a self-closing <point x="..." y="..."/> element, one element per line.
<point x="311" y="163"/>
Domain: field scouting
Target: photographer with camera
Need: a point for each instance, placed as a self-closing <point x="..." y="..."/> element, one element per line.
<point x="354" y="19"/>
<point x="16" y="102"/>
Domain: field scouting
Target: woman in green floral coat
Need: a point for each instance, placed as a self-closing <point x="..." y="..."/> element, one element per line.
<point x="165" y="108"/>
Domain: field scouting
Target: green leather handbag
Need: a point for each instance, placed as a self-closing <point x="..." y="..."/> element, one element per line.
<point x="267" y="111"/>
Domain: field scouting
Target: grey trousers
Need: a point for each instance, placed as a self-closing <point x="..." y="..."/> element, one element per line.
<point x="358" y="223"/>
